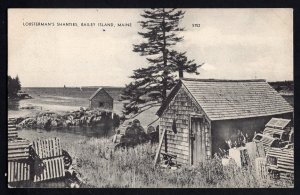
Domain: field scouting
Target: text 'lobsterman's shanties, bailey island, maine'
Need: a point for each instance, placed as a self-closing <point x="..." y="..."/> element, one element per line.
<point x="77" y="24"/>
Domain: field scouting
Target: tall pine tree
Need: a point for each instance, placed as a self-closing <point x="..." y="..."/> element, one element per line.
<point x="151" y="83"/>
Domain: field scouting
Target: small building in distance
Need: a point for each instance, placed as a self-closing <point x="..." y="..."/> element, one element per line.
<point x="199" y="115"/>
<point x="107" y="98"/>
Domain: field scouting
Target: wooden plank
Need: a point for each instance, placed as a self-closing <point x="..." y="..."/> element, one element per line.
<point x="49" y="169"/>
<point x="58" y="144"/>
<point x="13" y="147"/>
<point x="53" y="168"/>
<point x="182" y="143"/>
<point x="280" y="154"/>
<point x="18" y="150"/>
<point x="286" y="167"/>
<point x="18" y="142"/>
<point x="177" y="146"/>
<point x="17" y="157"/>
<point x="21" y="172"/>
<point x="169" y="146"/>
<point x="56" y="167"/>
<point x="177" y="137"/>
<point x="60" y="168"/>
<point x="13" y="171"/>
<point x="55" y="148"/>
<point x="180" y="156"/>
<point x="178" y="151"/>
<point x="286" y="158"/>
<point x="182" y="135"/>
<point x="8" y="170"/>
<point x="22" y="145"/>
<point x="12" y="133"/>
<point x="51" y="147"/>
<point x="159" y="146"/>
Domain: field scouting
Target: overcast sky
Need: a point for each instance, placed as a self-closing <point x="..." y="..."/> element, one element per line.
<point x="233" y="44"/>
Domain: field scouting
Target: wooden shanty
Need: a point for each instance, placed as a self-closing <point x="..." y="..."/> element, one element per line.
<point x="200" y="114"/>
<point x="107" y="98"/>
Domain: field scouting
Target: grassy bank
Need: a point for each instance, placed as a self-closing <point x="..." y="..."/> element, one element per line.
<point x="100" y="166"/>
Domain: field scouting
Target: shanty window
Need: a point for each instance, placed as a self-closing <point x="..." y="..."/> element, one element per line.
<point x="271" y="160"/>
<point x="101" y="104"/>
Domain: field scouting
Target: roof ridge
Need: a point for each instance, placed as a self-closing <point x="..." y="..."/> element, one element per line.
<point x="223" y="80"/>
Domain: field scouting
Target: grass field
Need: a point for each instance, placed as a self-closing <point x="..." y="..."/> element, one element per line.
<point x="101" y="167"/>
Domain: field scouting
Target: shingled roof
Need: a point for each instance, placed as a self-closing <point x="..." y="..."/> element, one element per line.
<point x="232" y="99"/>
<point x="113" y="92"/>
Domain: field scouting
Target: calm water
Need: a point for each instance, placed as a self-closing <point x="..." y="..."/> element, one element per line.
<point x="56" y="100"/>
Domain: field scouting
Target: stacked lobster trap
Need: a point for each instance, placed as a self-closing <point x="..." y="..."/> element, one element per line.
<point x="279" y="153"/>
<point x="18" y="154"/>
<point x="38" y="161"/>
<point x="271" y="152"/>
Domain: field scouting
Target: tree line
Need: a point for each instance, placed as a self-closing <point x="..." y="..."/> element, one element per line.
<point x="13" y="86"/>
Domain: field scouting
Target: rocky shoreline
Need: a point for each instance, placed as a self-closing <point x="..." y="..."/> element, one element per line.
<point x="83" y="117"/>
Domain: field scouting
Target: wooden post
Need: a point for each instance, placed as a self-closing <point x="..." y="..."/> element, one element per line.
<point x="159" y="147"/>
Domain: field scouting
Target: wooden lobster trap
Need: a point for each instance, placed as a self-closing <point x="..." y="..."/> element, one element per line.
<point x="280" y="163"/>
<point x="17" y="155"/>
<point x="50" y="161"/>
<point x="12" y="129"/>
<point x="18" y="160"/>
<point x="40" y="161"/>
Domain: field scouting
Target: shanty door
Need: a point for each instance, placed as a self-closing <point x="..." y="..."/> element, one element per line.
<point x="197" y="140"/>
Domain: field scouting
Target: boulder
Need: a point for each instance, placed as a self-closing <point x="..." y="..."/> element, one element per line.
<point x="53" y="123"/>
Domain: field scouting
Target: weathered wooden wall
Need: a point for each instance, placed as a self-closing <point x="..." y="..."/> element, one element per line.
<point x="103" y="97"/>
<point x="179" y="109"/>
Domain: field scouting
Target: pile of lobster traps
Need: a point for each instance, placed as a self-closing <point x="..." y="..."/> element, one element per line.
<point x="271" y="151"/>
<point x="279" y="158"/>
<point x="38" y="161"/>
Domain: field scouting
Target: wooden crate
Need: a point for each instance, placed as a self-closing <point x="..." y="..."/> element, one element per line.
<point x="53" y="168"/>
<point x="18" y="149"/>
<point x="18" y="171"/>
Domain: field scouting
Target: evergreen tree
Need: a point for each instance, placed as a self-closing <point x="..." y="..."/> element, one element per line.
<point x="18" y="83"/>
<point x="160" y="35"/>
<point x="13" y="86"/>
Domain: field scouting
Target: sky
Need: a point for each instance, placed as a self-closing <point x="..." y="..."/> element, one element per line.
<point x="232" y="44"/>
